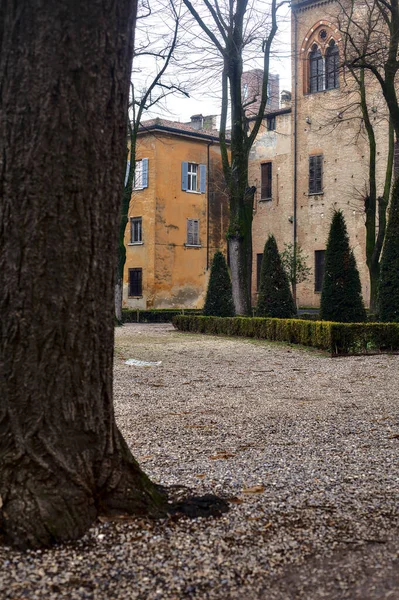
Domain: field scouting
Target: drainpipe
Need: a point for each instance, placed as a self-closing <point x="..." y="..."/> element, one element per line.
<point x="207" y="203"/>
<point x="295" y="144"/>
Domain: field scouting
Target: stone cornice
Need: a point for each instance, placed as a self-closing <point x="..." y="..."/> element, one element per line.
<point x="302" y="5"/>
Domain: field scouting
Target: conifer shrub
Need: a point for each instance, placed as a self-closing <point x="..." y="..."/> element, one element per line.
<point x="388" y="293"/>
<point x="341" y="296"/>
<point x="219" y="296"/>
<point x="274" y="298"/>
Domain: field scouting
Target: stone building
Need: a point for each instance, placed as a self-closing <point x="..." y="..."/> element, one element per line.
<point x="178" y="216"/>
<point x="251" y="85"/>
<point x="325" y="164"/>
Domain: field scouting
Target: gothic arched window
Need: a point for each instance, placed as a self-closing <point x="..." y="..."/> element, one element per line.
<point x="316" y="70"/>
<point x="332" y="66"/>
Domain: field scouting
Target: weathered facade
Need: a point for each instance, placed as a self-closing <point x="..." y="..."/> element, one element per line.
<point x="178" y="216"/>
<point x="325" y="164"/>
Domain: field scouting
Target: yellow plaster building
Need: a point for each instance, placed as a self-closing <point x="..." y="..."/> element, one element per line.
<point x="178" y="216"/>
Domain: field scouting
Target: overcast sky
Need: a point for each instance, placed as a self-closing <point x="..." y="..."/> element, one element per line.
<point x="205" y="99"/>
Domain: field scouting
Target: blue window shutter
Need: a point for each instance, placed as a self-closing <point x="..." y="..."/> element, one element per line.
<point x="145" y="172"/>
<point x="184" y="176"/>
<point x="202" y="179"/>
<point x="127" y="171"/>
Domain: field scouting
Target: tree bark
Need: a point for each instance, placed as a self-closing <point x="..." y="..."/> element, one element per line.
<point x="64" y="74"/>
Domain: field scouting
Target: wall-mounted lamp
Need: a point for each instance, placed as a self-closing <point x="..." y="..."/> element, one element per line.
<point x="308" y="120"/>
<point x="291" y="219"/>
<point x="374" y="109"/>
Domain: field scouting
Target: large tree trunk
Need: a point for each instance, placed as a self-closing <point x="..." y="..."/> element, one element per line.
<point x="64" y="74"/>
<point x="240" y="252"/>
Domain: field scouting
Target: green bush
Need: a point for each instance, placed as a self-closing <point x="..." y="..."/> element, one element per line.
<point x="337" y="338"/>
<point x="388" y="293"/>
<point x="275" y="298"/>
<point x="219" y="296"/>
<point x="341" y="296"/>
<point x="155" y="315"/>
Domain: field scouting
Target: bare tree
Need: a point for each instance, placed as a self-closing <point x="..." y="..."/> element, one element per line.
<point x="64" y="73"/>
<point x="230" y="28"/>
<point x="160" y="46"/>
<point x="371" y="37"/>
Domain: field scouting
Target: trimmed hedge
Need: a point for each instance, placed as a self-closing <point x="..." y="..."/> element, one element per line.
<point x="155" y="315"/>
<point x="337" y="338"/>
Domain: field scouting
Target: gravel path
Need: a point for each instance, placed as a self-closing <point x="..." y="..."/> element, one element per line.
<point x="305" y="447"/>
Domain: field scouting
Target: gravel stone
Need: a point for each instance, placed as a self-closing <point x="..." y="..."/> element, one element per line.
<point x="304" y="446"/>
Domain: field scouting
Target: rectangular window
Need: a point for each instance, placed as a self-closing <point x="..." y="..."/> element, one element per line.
<point x="319" y="256"/>
<point x="136" y="231"/>
<point x="271" y="123"/>
<point x="269" y="93"/>
<point x="266" y="181"/>
<point x="258" y="268"/>
<point x="192" y="173"/>
<point x="193" y="232"/>
<point x="193" y="177"/>
<point x="141" y="174"/>
<point x="316" y="174"/>
<point x="138" y="175"/>
<point x="135" y="282"/>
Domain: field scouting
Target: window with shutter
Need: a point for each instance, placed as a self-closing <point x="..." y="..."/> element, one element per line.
<point x="319" y="256"/>
<point x="266" y="181"/>
<point x="136" y="231"/>
<point x="141" y="174"/>
<point x="135" y="282"/>
<point x="193" y="232"/>
<point x="316" y="174"/>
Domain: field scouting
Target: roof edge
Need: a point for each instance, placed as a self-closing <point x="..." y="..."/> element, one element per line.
<point x="181" y="132"/>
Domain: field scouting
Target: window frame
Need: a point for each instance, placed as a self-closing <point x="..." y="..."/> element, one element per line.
<point x="139" y="222"/>
<point x="317" y="80"/>
<point x="195" y="233"/>
<point x="332" y="55"/>
<point x="266" y="187"/>
<point x="315" y="164"/>
<point x="139" y="282"/>
<point x="140" y="181"/>
<point x="190" y="175"/>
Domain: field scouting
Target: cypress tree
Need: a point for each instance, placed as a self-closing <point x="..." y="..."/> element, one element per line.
<point x="275" y="298"/>
<point x="219" y="296"/>
<point x="388" y="293"/>
<point x="341" y="296"/>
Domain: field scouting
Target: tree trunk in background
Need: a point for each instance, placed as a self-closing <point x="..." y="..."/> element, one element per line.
<point x="64" y="73"/>
<point x="118" y="298"/>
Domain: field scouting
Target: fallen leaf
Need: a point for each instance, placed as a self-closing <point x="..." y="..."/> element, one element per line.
<point x="235" y="500"/>
<point x="201" y="475"/>
<point x="395" y="436"/>
<point x="146" y="457"/>
<point x="220" y="455"/>
<point x="255" y="489"/>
